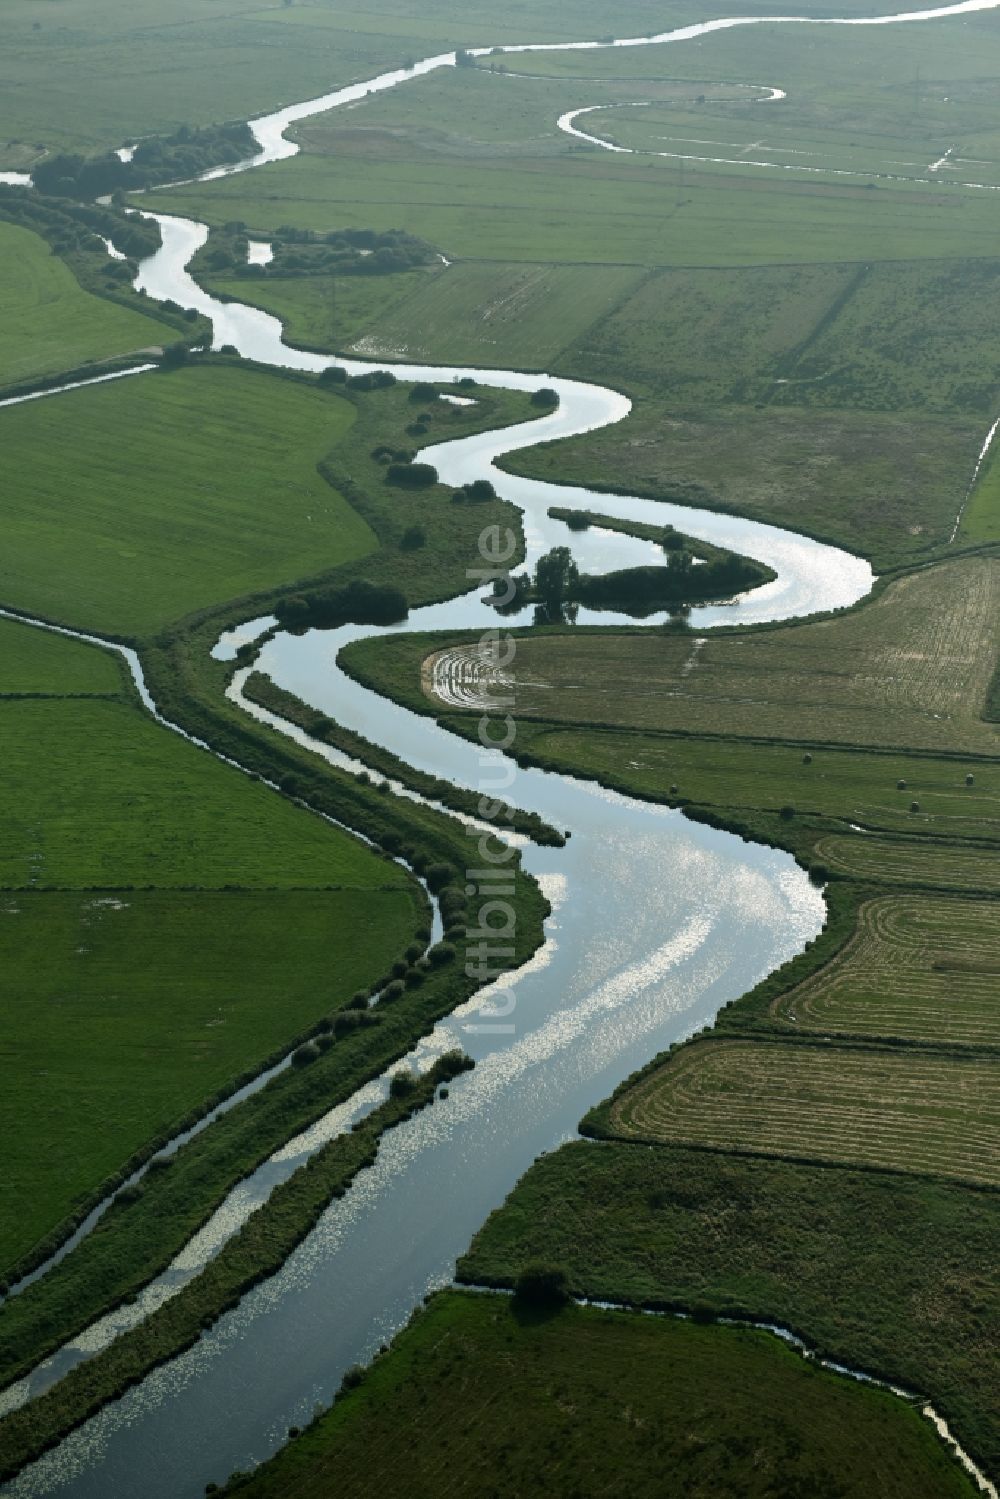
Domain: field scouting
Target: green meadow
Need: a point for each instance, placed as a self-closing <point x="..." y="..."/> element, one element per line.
<point x="49" y="323"/>
<point x="125" y="1011"/>
<point x="603" y="1402"/>
<point x="134" y="503"/>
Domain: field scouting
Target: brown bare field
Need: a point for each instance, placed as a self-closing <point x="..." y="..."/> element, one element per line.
<point x="906" y="1109"/>
<point x="918" y="967"/>
<point x="911" y="669"/>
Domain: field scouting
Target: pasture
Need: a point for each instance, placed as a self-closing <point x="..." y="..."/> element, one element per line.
<point x="917" y="967"/>
<point x="909" y="669"/>
<point x="603" y="1402"/>
<point x="134" y="503"/>
<point x="912" y="1260"/>
<point x="48" y="323"/>
<point x="887" y="485"/>
<point x="124" y="1012"/>
<point x="95" y="794"/>
<point x="850" y="785"/>
<point x="319" y="311"/>
<point x="906" y="1110"/>
<point x="44" y="663"/>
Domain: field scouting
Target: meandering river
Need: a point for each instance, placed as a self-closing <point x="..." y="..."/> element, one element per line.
<point x="656" y="923"/>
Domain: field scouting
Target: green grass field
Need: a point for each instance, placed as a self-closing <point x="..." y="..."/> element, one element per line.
<point x="40" y="661"/>
<point x="133" y="503"/>
<point x="919" y="968"/>
<point x="849" y="785"/>
<point x="124" y="1012"/>
<point x="97" y="795"/>
<point x="48" y="323"/>
<point x="910" y="1111"/>
<point x="603" y="1402"/>
<point x="981" y="517"/>
<point x="324" y="312"/>
<point x="883" y="1271"/>
<point x="887" y="485"/>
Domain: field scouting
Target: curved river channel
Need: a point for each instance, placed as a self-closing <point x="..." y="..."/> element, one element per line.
<point x="656" y="923"/>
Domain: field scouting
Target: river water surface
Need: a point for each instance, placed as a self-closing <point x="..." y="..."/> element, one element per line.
<point x="656" y="923"/>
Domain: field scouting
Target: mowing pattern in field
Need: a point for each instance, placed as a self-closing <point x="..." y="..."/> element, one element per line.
<point x="917" y="967"/>
<point x="909" y="1110"/>
<point x="910" y="669"/>
<point x="912" y="862"/>
<point x="131" y="504"/>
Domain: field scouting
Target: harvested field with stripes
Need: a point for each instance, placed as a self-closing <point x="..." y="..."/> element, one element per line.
<point x="912" y="861"/>
<point x="918" y="967"/>
<point x="911" y="669"/>
<point x="905" y="1109"/>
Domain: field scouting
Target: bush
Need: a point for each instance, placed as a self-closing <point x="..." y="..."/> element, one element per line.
<point x="347" y="1021"/>
<point x="438" y="876"/>
<point x="413" y="538"/>
<point x="412" y="475"/>
<point x="787" y="812"/>
<point x="441" y="953"/>
<point x="402" y="1083"/>
<point x="542" y="1285"/>
<point x="392" y="991"/>
<point x="353" y="1377"/>
<point x="545" y="397"/>
<point x="423" y="391"/>
<point x="305" y="1054"/>
<point x="334" y="374"/>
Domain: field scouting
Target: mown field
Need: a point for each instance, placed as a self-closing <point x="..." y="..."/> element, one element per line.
<point x="909" y="1111"/>
<point x="912" y="668"/>
<point x="126" y="1010"/>
<point x="133" y="503"/>
<point x="919" y="967"/>
<point x="42" y="662"/>
<point x="884" y="1271"/>
<point x="48" y="323"/>
<point x="912" y="862"/>
<point x="981" y="518"/>
<point x="603" y="1402"/>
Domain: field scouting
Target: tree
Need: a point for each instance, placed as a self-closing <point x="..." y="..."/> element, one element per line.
<point x="542" y="1285"/>
<point x="556" y="575"/>
<point x="545" y="397"/>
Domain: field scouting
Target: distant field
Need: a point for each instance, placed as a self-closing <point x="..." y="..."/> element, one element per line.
<point x="97" y="794"/>
<point x="890" y="337"/>
<point x="603" y="1402"/>
<point x="40" y="661"/>
<point x="510" y="315"/>
<point x="918" y="967"/>
<point x="912" y="861"/>
<point x="326" y="312"/>
<point x="886" y="484"/>
<point x="909" y="669"/>
<point x="134" y="503"/>
<point x="585" y="208"/>
<point x="122" y="1013"/>
<point x="909" y="1110"/>
<point x="48" y="323"/>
